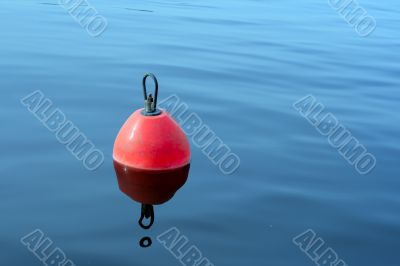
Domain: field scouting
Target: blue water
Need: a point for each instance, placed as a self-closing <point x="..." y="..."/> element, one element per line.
<point x="240" y="65"/>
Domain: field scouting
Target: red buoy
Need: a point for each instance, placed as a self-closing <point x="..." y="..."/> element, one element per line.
<point x="151" y="155"/>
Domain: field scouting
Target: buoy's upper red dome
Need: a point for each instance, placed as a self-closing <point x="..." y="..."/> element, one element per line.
<point x="151" y="143"/>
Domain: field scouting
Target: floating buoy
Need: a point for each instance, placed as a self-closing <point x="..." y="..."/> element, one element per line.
<point x="151" y="156"/>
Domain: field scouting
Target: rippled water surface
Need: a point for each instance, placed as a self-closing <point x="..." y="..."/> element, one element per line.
<point x="240" y="65"/>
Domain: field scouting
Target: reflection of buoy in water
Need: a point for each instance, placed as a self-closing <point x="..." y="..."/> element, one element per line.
<point x="151" y="156"/>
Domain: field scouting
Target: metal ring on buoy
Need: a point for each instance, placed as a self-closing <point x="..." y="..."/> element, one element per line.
<point x="156" y="86"/>
<point x="150" y="102"/>
<point x="147" y="212"/>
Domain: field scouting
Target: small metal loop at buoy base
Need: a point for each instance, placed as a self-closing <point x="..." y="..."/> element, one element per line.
<point x="145" y="242"/>
<point x="147" y="212"/>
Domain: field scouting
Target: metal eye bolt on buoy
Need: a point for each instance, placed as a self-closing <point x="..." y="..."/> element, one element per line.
<point x="151" y="157"/>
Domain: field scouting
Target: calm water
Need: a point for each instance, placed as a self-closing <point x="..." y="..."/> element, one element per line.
<point x="239" y="66"/>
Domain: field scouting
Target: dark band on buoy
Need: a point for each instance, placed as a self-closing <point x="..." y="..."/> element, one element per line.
<point x="145" y="242"/>
<point x="147" y="212"/>
<point x="150" y="103"/>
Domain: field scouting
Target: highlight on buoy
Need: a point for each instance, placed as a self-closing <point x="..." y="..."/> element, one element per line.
<point x="151" y="156"/>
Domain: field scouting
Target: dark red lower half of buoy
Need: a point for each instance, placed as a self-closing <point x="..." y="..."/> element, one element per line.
<point x="150" y="186"/>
